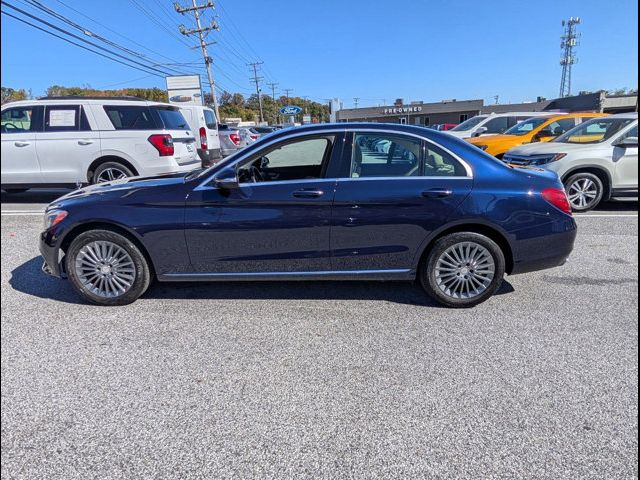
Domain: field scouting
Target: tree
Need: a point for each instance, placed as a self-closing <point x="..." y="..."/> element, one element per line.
<point x="12" y="95"/>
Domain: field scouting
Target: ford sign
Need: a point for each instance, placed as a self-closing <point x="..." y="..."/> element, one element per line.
<point x="290" y="110"/>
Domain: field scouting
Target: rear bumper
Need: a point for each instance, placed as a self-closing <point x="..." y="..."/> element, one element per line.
<point x="548" y="251"/>
<point x="209" y="157"/>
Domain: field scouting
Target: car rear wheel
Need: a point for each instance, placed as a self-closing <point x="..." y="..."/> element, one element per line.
<point x="584" y="190"/>
<point x="463" y="269"/>
<point x="106" y="268"/>
<point x="109" y="171"/>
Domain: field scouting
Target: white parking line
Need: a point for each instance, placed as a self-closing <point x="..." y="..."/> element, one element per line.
<point x="618" y="215"/>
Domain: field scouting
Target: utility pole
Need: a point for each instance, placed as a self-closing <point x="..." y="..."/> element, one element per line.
<point x="273" y="86"/>
<point x="497" y="99"/>
<point x="569" y="42"/>
<point x="256" y="80"/>
<point x="286" y="92"/>
<point x="355" y="101"/>
<point x="202" y="33"/>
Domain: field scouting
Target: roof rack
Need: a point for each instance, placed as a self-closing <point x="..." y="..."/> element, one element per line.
<point x="92" y="97"/>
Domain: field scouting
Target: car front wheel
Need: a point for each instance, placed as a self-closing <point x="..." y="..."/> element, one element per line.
<point x="106" y="268"/>
<point x="463" y="269"/>
<point x="584" y="190"/>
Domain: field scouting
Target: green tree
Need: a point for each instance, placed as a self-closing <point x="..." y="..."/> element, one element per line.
<point x="12" y="95"/>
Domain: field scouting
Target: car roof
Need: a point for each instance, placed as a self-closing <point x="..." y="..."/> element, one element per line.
<point x="74" y="100"/>
<point x="633" y="115"/>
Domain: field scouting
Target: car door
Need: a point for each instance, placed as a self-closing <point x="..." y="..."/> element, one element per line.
<point x="626" y="165"/>
<point x="387" y="204"/>
<point x="277" y="220"/>
<point x="67" y="145"/>
<point x="19" y="156"/>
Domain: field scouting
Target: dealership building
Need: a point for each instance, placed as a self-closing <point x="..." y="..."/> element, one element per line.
<point x="457" y="111"/>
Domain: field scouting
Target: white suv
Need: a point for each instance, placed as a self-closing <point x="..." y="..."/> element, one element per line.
<point x="68" y="141"/>
<point x="491" y="123"/>
<point x="596" y="161"/>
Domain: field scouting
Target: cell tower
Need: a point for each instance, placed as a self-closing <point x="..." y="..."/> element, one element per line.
<point x="569" y="42"/>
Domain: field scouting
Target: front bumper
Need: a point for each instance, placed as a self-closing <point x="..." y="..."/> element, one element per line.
<point x="50" y="252"/>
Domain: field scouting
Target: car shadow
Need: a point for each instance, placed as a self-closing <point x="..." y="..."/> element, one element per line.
<point x="28" y="278"/>
<point x="33" y="196"/>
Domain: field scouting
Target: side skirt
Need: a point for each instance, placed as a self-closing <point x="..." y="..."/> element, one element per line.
<point x="397" y="274"/>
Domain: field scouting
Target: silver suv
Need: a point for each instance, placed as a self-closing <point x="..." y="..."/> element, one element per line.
<point x="597" y="160"/>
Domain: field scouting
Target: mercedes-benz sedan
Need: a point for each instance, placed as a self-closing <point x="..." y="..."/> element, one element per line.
<point x="317" y="203"/>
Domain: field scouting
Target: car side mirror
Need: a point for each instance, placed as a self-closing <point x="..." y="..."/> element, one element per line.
<point x="629" y="142"/>
<point x="227" y="179"/>
<point x="479" y="131"/>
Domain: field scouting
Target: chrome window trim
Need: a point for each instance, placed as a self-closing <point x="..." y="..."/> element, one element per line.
<point x="204" y="185"/>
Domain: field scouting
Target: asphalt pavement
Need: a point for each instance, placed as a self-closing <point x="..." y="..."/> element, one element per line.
<point x="324" y="380"/>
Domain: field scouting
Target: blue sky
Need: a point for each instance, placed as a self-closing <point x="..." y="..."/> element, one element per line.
<point x="374" y="50"/>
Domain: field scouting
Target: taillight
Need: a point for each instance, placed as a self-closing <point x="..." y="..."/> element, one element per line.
<point x="203" y="138"/>
<point x="253" y="137"/>
<point x="235" y="138"/>
<point x="163" y="143"/>
<point x="558" y="198"/>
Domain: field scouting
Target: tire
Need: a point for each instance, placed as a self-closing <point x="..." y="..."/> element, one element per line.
<point x="109" y="171"/>
<point x="15" y="190"/>
<point x="124" y="265"/>
<point x="585" y="191"/>
<point x="445" y="275"/>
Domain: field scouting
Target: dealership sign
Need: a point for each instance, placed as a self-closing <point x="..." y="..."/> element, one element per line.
<point x="184" y="89"/>
<point x="413" y="109"/>
<point x="290" y="110"/>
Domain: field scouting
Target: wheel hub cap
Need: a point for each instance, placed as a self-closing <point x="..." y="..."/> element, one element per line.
<point x="465" y="270"/>
<point x="582" y="192"/>
<point x="105" y="269"/>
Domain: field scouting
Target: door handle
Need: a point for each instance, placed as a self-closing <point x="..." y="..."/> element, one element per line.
<point x="310" y="193"/>
<point x="22" y="144"/>
<point x="437" y="193"/>
<point x="85" y="142"/>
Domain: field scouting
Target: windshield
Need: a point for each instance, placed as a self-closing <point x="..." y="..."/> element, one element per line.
<point x="469" y="124"/>
<point x="596" y="130"/>
<point x="527" y="126"/>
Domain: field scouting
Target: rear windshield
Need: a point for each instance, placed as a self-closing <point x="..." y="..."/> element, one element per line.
<point x="130" y="117"/>
<point x="171" y="118"/>
<point x="210" y="119"/>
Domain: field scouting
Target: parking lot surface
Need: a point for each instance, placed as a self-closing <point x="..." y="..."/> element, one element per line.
<point x="324" y="380"/>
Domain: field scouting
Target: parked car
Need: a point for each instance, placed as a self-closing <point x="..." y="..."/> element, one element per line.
<point x="445" y="127"/>
<point x="293" y="207"/>
<point x="203" y="120"/>
<point x="66" y="142"/>
<point x="247" y="135"/>
<point x="535" y="129"/>
<point x="491" y="123"/>
<point x="263" y="129"/>
<point x="597" y="160"/>
<point x="230" y="140"/>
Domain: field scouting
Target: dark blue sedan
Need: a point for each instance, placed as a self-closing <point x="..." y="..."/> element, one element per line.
<point x="351" y="201"/>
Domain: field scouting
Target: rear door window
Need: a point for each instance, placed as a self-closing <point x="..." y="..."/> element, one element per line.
<point x="130" y="117"/>
<point x="561" y="126"/>
<point x="210" y="119"/>
<point x="65" y="118"/>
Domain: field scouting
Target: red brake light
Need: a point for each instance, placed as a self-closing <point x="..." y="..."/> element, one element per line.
<point x="235" y="138"/>
<point x="203" y="138"/>
<point x="558" y="198"/>
<point x="163" y="143"/>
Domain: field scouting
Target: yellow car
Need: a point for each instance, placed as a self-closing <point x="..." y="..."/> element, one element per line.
<point x="535" y="129"/>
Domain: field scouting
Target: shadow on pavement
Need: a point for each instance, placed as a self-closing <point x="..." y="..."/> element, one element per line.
<point x="28" y="278"/>
<point x="33" y="196"/>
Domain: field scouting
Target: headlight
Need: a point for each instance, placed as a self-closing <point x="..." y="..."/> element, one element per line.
<point x="54" y="217"/>
<point x="482" y="147"/>
<point x="551" y="158"/>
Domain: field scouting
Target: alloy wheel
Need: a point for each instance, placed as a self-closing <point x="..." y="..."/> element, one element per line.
<point x="464" y="270"/>
<point x="582" y="193"/>
<point x="110" y="174"/>
<point x="105" y="269"/>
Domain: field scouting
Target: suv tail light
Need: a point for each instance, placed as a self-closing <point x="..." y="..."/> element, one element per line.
<point x="558" y="198"/>
<point x="163" y="143"/>
<point x="235" y="138"/>
<point x="203" y="138"/>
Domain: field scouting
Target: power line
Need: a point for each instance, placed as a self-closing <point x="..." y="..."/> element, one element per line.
<point x="158" y="22"/>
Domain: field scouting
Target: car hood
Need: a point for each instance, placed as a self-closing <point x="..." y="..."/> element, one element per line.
<point x="550" y="147"/>
<point x="130" y="183"/>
